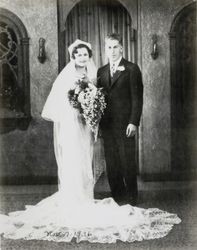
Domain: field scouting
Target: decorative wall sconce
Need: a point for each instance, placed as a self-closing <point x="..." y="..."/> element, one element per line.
<point x="154" y="53"/>
<point x="42" y="53"/>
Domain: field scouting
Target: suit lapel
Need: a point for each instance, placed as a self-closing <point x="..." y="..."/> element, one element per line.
<point x="106" y="77"/>
<point x="117" y="73"/>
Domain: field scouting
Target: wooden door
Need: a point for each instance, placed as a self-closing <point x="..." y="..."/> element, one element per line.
<point x="184" y="92"/>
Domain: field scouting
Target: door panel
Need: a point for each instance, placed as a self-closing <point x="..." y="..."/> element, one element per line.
<point x="184" y="91"/>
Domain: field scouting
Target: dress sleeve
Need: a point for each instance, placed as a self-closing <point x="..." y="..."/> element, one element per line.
<point x="57" y="104"/>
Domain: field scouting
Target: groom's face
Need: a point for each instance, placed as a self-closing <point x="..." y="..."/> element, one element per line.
<point x="113" y="50"/>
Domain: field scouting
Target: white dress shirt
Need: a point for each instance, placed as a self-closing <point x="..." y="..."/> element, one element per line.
<point x="114" y="66"/>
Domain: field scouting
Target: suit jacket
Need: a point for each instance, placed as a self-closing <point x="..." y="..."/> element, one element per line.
<point x="124" y="95"/>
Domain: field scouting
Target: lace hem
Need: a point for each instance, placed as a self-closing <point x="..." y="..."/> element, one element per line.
<point x="157" y="224"/>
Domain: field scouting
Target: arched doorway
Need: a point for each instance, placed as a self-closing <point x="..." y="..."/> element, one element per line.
<point x="183" y="42"/>
<point x="14" y="73"/>
<point x="91" y="21"/>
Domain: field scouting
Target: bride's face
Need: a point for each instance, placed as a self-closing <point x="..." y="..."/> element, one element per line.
<point x="82" y="57"/>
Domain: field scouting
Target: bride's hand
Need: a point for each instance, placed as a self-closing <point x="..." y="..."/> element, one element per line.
<point x="80" y="77"/>
<point x="85" y="78"/>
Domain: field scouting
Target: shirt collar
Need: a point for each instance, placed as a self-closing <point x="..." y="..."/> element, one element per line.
<point x="116" y="63"/>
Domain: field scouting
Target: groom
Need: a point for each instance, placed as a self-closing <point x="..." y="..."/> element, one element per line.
<point x="122" y="82"/>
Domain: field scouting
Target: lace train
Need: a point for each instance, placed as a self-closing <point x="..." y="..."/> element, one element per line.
<point x="102" y="221"/>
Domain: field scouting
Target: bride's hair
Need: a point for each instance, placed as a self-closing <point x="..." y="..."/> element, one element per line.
<point x="79" y="46"/>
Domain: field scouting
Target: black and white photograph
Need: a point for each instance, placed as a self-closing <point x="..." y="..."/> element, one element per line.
<point x="98" y="124"/>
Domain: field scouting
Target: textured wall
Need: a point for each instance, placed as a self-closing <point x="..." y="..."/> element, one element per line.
<point x="27" y="156"/>
<point x="30" y="153"/>
<point x="156" y="16"/>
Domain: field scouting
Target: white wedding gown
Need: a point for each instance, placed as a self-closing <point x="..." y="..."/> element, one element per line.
<point x="72" y="212"/>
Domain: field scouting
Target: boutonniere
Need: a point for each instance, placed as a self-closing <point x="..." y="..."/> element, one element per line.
<point x="121" y="68"/>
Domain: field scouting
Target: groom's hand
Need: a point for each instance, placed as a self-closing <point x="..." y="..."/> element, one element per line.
<point x="99" y="133"/>
<point x="131" y="130"/>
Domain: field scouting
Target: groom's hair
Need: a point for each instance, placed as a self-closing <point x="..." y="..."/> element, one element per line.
<point x="114" y="36"/>
<point x="79" y="46"/>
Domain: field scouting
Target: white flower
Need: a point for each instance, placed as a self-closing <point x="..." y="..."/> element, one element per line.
<point x="121" y="68"/>
<point x="92" y="86"/>
<point x="93" y="89"/>
<point x="77" y="90"/>
<point x="81" y="97"/>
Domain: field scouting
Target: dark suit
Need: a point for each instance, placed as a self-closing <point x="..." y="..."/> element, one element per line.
<point x="124" y="96"/>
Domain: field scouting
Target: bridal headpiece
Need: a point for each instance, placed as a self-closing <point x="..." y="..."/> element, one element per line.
<point x="76" y="43"/>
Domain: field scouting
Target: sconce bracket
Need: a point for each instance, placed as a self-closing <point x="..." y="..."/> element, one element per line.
<point x="42" y="53"/>
<point x="154" y="53"/>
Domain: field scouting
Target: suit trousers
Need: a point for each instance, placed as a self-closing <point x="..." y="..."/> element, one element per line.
<point x="120" y="164"/>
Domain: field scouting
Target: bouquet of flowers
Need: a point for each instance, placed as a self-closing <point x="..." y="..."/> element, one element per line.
<point x="89" y="100"/>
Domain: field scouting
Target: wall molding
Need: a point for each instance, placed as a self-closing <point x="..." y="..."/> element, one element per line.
<point x="28" y="180"/>
<point x="174" y="176"/>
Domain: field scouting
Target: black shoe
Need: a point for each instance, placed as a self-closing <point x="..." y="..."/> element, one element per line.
<point x="133" y="202"/>
<point x="121" y="199"/>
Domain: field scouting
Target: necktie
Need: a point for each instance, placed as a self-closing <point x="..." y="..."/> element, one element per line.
<point x="112" y="71"/>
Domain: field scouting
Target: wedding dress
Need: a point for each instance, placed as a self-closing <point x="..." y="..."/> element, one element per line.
<point x="72" y="212"/>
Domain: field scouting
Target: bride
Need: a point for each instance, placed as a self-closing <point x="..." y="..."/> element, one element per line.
<point x="72" y="212"/>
